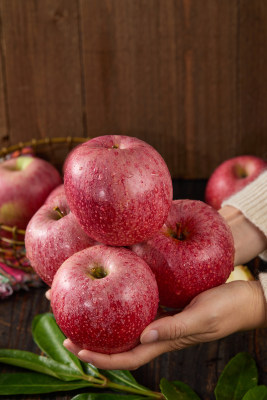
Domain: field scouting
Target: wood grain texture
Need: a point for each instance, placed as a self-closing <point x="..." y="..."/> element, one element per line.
<point x="43" y="73"/>
<point x="252" y="77"/>
<point x="165" y="72"/>
<point x="189" y="77"/>
<point x="3" y="97"/>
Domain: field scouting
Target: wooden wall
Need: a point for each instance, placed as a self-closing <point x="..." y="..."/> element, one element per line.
<point x="187" y="76"/>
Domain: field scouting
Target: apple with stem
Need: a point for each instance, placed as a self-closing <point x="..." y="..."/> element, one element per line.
<point x="119" y="188"/>
<point x="25" y="183"/>
<point x="53" y="235"/>
<point x="231" y="176"/>
<point x="193" y="251"/>
<point x="103" y="297"/>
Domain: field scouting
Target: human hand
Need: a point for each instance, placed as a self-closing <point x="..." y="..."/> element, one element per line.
<point x="211" y="315"/>
<point x="249" y="241"/>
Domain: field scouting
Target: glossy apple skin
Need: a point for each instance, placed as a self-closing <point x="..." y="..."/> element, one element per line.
<point x="119" y="188"/>
<point x="105" y="315"/>
<point x="228" y="178"/>
<point x="58" y="191"/>
<point x="201" y="259"/>
<point x="23" y="191"/>
<point x="50" y="240"/>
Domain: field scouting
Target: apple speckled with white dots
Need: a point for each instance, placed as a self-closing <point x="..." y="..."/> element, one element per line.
<point x="194" y="251"/>
<point x="53" y="235"/>
<point x="103" y="297"/>
<point x="119" y="188"/>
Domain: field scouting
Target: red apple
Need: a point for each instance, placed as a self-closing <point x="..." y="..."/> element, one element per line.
<point x="53" y="235"/>
<point x="231" y="176"/>
<point x="58" y="191"/>
<point x="193" y="251"/>
<point x="103" y="297"/>
<point x="119" y="188"/>
<point x="25" y="184"/>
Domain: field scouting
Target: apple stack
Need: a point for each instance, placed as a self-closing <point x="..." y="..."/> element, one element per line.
<point x="113" y="244"/>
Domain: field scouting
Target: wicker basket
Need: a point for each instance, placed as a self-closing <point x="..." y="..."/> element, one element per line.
<point x="54" y="150"/>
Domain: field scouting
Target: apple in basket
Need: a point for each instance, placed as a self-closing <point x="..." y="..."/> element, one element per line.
<point x="25" y="183"/>
<point x="52" y="235"/>
<point x="103" y="297"/>
<point x="193" y="251"/>
<point x="119" y="188"/>
<point x="231" y="176"/>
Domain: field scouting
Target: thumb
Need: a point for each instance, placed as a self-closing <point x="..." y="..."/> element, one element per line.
<point x="171" y="328"/>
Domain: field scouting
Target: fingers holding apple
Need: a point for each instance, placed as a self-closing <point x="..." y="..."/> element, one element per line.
<point x="48" y="294"/>
<point x="128" y="360"/>
<point x="119" y="192"/>
<point x="205" y="319"/>
<point x="192" y="253"/>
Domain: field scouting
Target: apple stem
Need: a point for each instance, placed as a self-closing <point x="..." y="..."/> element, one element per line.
<point x="98" y="272"/>
<point x="240" y="172"/>
<point x="179" y="234"/>
<point x="59" y="212"/>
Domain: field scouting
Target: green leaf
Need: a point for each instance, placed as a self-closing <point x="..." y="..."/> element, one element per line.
<point x="185" y="391"/>
<point x="32" y="383"/>
<point x="107" y="396"/>
<point x="119" y="375"/>
<point x="239" y="375"/>
<point x="90" y="369"/>
<point x="256" y="393"/>
<point x="169" y="391"/>
<point x="122" y="377"/>
<point x="45" y="365"/>
<point x="49" y="338"/>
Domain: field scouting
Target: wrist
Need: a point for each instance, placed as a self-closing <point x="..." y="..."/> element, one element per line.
<point x="249" y="307"/>
<point x="258" y="306"/>
<point x="249" y="241"/>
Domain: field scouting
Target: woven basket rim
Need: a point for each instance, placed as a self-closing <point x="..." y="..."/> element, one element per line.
<point x="69" y="140"/>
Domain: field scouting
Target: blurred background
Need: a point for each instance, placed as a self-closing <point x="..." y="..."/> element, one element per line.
<point x="187" y="76"/>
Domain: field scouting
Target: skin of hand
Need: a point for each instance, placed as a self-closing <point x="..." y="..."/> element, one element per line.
<point x="213" y="314"/>
<point x="248" y="239"/>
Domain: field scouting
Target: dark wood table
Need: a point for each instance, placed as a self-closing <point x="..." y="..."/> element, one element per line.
<point x="198" y="366"/>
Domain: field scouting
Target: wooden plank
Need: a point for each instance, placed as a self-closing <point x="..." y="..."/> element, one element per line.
<point x="121" y="55"/>
<point x="164" y="72"/>
<point x="190" y="81"/>
<point x="210" y="84"/>
<point x="252" y="42"/>
<point x="42" y="68"/>
<point x="3" y="96"/>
